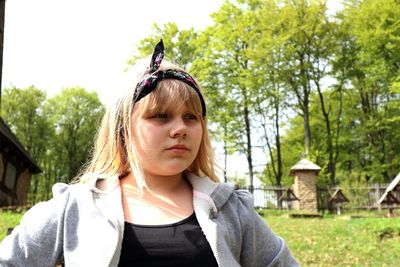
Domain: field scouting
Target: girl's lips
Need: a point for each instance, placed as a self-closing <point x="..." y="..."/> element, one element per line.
<point x="178" y="149"/>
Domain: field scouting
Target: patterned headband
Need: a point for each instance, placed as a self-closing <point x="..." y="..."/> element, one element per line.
<point x="155" y="75"/>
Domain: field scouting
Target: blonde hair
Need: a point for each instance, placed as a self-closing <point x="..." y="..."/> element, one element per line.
<point x="114" y="151"/>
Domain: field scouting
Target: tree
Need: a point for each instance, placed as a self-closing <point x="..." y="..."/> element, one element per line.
<point x="75" y="114"/>
<point x="271" y="97"/>
<point x="223" y="108"/>
<point x="304" y="52"/>
<point x="283" y="69"/>
<point x="230" y="43"/>
<point x="180" y="44"/>
<point x="373" y="69"/>
<point x="57" y="132"/>
<point x="23" y="110"/>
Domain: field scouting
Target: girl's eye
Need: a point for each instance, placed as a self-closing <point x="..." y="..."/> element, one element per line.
<point x="190" y="117"/>
<point x="160" y="116"/>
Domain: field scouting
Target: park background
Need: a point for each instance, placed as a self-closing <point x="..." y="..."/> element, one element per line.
<point x="283" y="80"/>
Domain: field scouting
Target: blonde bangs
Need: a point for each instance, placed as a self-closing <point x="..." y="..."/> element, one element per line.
<point x="169" y="93"/>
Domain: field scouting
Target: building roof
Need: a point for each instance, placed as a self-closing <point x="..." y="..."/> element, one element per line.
<point x="7" y="134"/>
<point x="390" y="188"/>
<point x="304" y="165"/>
<point x="338" y="196"/>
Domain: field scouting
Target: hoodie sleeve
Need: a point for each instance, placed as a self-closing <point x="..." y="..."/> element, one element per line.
<point x="261" y="247"/>
<point x="38" y="239"/>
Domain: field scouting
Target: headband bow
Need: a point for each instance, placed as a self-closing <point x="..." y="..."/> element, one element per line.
<point x="155" y="75"/>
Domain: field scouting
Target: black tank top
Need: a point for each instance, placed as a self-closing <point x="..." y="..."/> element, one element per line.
<point x="178" y="244"/>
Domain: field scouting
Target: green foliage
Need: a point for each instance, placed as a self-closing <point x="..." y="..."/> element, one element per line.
<point x="372" y="28"/>
<point x="286" y="77"/>
<point x="180" y="43"/>
<point x="362" y="105"/>
<point x="23" y="110"/>
<point x="75" y="114"/>
<point x="57" y="132"/>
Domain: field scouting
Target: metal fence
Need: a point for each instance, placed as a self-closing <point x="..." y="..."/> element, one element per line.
<point x="268" y="197"/>
<point x="363" y="197"/>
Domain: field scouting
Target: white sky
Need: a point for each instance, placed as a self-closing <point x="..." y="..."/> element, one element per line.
<point x="53" y="44"/>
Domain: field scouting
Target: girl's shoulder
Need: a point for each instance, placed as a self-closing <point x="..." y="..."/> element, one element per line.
<point x="221" y="194"/>
<point x="229" y="199"/>
<point x="70" y="192"/>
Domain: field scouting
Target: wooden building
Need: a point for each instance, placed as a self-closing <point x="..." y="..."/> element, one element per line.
<point x="16" y="168"/>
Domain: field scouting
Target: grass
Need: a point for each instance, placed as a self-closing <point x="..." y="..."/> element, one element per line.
<point x="8" y="219"/>
<point x="362" y="240"/>
<point x="340" y="240"/>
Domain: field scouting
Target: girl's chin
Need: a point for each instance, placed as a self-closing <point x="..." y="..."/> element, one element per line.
<point x="174" y="172"/>
<point x="170" y="167"/>
<point x="167" y="172"/>
<point x="174" y="168"/>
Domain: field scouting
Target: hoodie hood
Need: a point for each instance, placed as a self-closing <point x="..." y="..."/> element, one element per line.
<point x="216" y="194"/>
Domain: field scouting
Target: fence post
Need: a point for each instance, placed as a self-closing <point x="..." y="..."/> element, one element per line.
<point x="378" y="196"/>
<point x="279" y="196"/>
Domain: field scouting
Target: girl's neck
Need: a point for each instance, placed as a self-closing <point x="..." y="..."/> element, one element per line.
<point x="164" y="200"/>
<point x="159" y="184"/>
<point x="156" y="184"/>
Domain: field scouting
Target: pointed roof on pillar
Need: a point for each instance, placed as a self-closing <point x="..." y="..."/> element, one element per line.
<point x="393" y="186"/>
<point x="304" y="165"/>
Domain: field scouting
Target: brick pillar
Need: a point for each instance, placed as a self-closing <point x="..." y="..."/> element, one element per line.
<point x="305" y="188"/>
<point x="305" y="185"/>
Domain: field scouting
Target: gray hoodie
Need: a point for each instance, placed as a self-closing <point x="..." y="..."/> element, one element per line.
<point x="84" y="224"/>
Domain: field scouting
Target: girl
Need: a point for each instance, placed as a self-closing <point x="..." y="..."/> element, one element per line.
<point x="150" y="196"/>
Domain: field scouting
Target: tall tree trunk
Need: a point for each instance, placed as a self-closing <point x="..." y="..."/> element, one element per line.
<point x="278" y="145"/>
<point x="329" y="139"/>
<point x="301" y="88"/>
<point x="307" y="130"/>
<point x="248" y="146"/>
<point x="225" y="154"/>
<point x="275" y="162"/>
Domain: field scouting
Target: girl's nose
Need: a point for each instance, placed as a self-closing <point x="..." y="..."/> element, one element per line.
<point x="178" y="128"/>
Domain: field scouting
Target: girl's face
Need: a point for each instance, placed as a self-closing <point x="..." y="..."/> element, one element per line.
<point x="167" y="141"/>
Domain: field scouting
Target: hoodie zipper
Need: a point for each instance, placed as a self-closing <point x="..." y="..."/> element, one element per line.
<point x="111" y="217"/>
<point x="115" y="243"/>
<point x="212" y="213"/>
<point x="115" y="223"/>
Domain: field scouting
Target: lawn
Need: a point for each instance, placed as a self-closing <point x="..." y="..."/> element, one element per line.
<point x="8" y="219"/>
<point x="367" y="240"/>
<point x="341" y="240"/>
